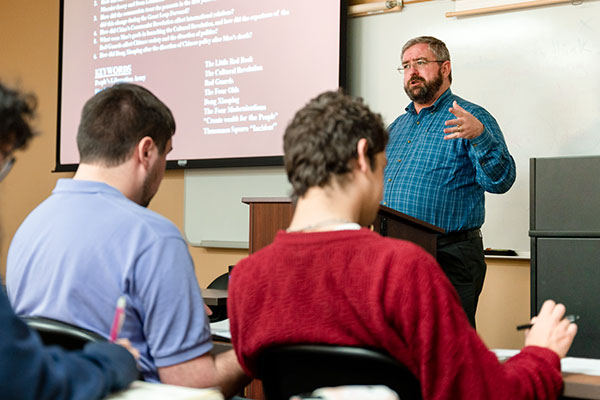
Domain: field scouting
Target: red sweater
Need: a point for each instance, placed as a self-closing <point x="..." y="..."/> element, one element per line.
<point x="356" y="288"/>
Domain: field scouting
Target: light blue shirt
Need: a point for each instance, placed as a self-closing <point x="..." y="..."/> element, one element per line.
<point x="85" y="246"/>
<point x="443" y="181"/>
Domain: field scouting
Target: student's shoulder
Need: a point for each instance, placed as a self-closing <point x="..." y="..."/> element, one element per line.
<point x="158" y="223"/>
<point x="136" y="217"/>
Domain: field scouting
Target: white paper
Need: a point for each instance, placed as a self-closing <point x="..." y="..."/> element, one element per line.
<point x="574" y="365"/>
<point x="139" y="390"/>
<point x="221" y="328"/>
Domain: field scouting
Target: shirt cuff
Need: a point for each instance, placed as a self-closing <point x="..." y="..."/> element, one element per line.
<point x="183" y="356"/>
<point x="544" y="353"/>
<point x="483" y="141"/>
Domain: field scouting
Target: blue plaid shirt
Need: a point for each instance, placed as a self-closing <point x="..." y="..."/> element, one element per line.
<point x="443" y="181"/>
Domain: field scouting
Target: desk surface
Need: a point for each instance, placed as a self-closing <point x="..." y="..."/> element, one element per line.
<point x="140" y="390"/>
<point x="579" y="386"/>
<point x="215" y="297"/>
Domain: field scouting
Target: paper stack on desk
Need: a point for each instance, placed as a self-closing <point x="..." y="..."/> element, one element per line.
<point x="573" y="365"/>
<point x="221" y="329"/>
<point x="139" y="390"/>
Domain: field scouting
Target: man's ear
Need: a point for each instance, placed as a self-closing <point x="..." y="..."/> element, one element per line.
<point x="145" y="150"/>
<point x="446" y="68"/>
<point x="362" y="161"/>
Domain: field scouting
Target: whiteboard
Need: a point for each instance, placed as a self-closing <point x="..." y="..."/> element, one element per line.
<point x="537" y="71"/>
<point x="214" y="215"/>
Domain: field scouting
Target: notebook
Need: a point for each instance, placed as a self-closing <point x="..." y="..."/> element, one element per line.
<point x="149" y="391"/>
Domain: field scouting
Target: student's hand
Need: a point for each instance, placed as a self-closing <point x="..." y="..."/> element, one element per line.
<point x="466" y="126"/>
<point x="550" y="330"/>
<point x="207" y="310"/>
<point x="127" y="344"/>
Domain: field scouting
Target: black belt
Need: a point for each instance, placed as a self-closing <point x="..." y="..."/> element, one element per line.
<point x="458" y="236"/>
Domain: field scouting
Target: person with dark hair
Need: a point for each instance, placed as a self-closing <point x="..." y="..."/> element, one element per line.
<point x="326" y="280"/>
<point x="28" y="369"/>
<point x="16" y="110"/>
<point x="93" y="240"/>
<point x="445" y="153"/>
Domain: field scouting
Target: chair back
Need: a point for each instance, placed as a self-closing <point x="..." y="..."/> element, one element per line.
<point x="220" y="282"/>
<point x="67" y="336"/>
<point x="298" y="369"/>
<point x="219" y="313"/>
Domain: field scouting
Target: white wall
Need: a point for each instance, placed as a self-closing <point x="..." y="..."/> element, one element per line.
<point x="536" y="70"/>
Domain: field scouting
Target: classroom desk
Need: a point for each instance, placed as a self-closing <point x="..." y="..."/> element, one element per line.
<point x="140" y="390"/>
<point x="215" y="297"/>
<point x="579" y="386"/>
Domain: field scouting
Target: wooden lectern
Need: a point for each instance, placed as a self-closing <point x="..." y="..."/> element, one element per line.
<point x="270" y="214"/>
<point x="392" y="223"/>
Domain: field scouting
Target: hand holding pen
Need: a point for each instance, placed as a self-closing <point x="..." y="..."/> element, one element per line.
<point x="551" y="330"/>
<point x="570" y="318"/>
<point x="117" y="324"/>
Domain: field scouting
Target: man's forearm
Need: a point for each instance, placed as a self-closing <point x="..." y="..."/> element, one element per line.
<point x="221" y="371"/>
<point x="231" y="376"/>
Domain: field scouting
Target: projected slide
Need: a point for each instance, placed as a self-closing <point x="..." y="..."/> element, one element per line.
<point x="233" y="72"/>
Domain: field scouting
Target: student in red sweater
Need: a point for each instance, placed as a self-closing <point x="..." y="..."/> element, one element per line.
<point x="327" y="280"/>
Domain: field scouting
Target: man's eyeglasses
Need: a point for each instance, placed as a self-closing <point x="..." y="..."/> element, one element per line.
<point x="6" y="166"/>
<point x="418" y="65"/>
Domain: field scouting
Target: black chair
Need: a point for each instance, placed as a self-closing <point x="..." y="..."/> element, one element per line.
<point x="299" y="369"/>
<point x="67" y="336"/>
<point x="219" y="313"/>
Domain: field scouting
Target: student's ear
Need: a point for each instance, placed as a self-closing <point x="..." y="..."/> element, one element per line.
<point x="145" y="150"/>
<point x="362" y="163"/>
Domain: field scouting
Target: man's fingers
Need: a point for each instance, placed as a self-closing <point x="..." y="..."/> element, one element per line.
<point x="572" y="330"/>
<point x="456" y="109"/>
<point x="559" y="311"/>
<point x="547" y="308"/>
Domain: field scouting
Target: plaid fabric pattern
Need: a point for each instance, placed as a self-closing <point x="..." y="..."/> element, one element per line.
<point x="443" y="181"/>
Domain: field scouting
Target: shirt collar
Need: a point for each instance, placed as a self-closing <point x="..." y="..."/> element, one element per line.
<point x="441" y="100"/>
<point x="82" y="186"/>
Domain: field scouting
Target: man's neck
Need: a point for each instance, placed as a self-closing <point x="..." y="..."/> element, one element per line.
<point x="322" y="209"/>
<point x="117" y="177"/>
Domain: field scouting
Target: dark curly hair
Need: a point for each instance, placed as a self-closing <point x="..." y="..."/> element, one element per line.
<point x="116" y="119"/>
<point x="320" y="142"/>
<point x="17" y="111"/>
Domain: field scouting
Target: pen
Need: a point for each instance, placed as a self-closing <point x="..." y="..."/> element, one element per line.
<point x="118" y="319"/>
<point x="570" y="318"/>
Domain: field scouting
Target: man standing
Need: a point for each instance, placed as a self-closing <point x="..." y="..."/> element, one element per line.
<point x="28" y="369"/>
<point x="444" y="153"/>
<point x="93" y="240"/>
<point x="326" y="280"/>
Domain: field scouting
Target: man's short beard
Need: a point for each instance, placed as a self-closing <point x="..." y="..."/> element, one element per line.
<point x="426" y="93"/>
<point x="147" y="187"/>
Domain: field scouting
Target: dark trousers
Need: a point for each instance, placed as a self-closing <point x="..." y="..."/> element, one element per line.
<point x="461" y="258"/>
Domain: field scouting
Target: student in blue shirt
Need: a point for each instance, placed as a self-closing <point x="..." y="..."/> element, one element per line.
<point x="94" y="240"/>
<point x="28" y="369"/>
<point x="444" y="153"/>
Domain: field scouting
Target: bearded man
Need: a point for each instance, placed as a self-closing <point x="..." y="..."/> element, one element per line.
<point x="444" y="153"/>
